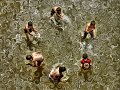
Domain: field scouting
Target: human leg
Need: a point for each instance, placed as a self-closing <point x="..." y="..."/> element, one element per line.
<point x="92" y="34"/>
<point x="85" y="35"/>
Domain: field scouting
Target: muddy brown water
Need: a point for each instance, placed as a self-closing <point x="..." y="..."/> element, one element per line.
<point x="60" y="48"/>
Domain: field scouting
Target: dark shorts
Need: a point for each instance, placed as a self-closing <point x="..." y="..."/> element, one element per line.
<point x="85" y="34"/>
<point x="53" y="81"/>
<point x="38" y="63"/>
<point x="87" y="68"/>
<point x="25" y="30"/>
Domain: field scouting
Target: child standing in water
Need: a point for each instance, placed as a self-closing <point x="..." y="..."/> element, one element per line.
<point x="90" y="29"/>
<point x="31" y="35"/>
<point x="85" y="66"/>
<point x="57" y="13"/>
<point x="35" y="59"/>
<point x="29" y="30"/>
<point x="56" y="18"/>
<point x="56" y="74"/>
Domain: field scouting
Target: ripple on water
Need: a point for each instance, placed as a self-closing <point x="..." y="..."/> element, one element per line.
<point x="6" y="65"/>
<point x="11" y="82"/>
<point x="5" y="80"/>
<point x="28" y="88"/>
<point x="5" y="25"/>
<point x="93" y="4"/>
<point x="85" y="5"/>
<point x="29" y="78"/>
<point x="3" y="87"/>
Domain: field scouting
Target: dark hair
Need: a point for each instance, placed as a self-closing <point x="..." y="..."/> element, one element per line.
<point x="93" y="22"/>
<point x="58" y="9"/>
<point x="85" y="56"/>
<point x="62" y="69"/>
<point x="30" y="23"/>
<point x="28" y="57"/>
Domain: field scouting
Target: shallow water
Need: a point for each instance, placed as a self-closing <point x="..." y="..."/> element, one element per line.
<point x="59" y="48"/>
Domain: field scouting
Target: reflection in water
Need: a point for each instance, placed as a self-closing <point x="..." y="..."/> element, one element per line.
<point x="86" y="74"/>
<point x="37" y="75"/>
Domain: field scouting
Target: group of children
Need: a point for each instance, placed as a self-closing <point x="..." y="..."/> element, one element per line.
<point x="36" y="58"/>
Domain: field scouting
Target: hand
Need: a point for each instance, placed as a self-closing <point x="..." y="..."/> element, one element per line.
<point x="51" y="17"/>
<point x="36" y="32"/>
<point x="94" y="36"/>
<point x="87" y="31"/>
<point x="59" y="15"/>
<point x="81" y="65"/>
<point x="29" y="64"/>
<point x="31" y="34"/>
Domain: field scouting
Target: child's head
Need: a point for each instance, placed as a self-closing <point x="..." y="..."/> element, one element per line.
<point x="62" y="69"/>
<point x="58" y="10"/>
<point x="85" y="56"/>
<point x="30" y="23"/>
<point x="28" y="57"/>
<point x="92" y="22"/>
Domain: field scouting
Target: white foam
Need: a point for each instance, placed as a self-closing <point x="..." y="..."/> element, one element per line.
<point x="66" y="19"/>
<point x="18" y="38"/>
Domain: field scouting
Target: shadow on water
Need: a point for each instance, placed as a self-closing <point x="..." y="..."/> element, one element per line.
<point x="86" y="74"/>
<point x="38" y="74"/>
<point x="29" y="45"/>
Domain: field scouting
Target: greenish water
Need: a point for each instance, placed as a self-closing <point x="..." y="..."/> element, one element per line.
<point x="60" y="48"/>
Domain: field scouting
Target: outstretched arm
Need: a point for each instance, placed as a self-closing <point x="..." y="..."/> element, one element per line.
<point x="34" y="30"/>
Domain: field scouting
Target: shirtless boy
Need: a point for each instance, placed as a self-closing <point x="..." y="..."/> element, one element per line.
<point x="28" y="30"/>
<point x="35" y="59"/>
<point x="57" y="13"/>
<point x="90" y="29"/>
<point x="56" y="74"/>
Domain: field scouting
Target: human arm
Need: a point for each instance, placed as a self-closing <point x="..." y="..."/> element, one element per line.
<point x="26" y="30"/>
<point x="95" y="32"/>
<point x="81" y="63"/>
<point x="26" y="33"/>
<point x="90" y="63"/>
<point x="60" y="15"/>
<point x="52" y="12"/>
<point x="34" y="30"/>
<point x="31" y="63"/>
<point x="86" y="28"/>
<point x="58" y="77"/>
<point x="59" y="65"/>
<point x="31" y="34"/>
